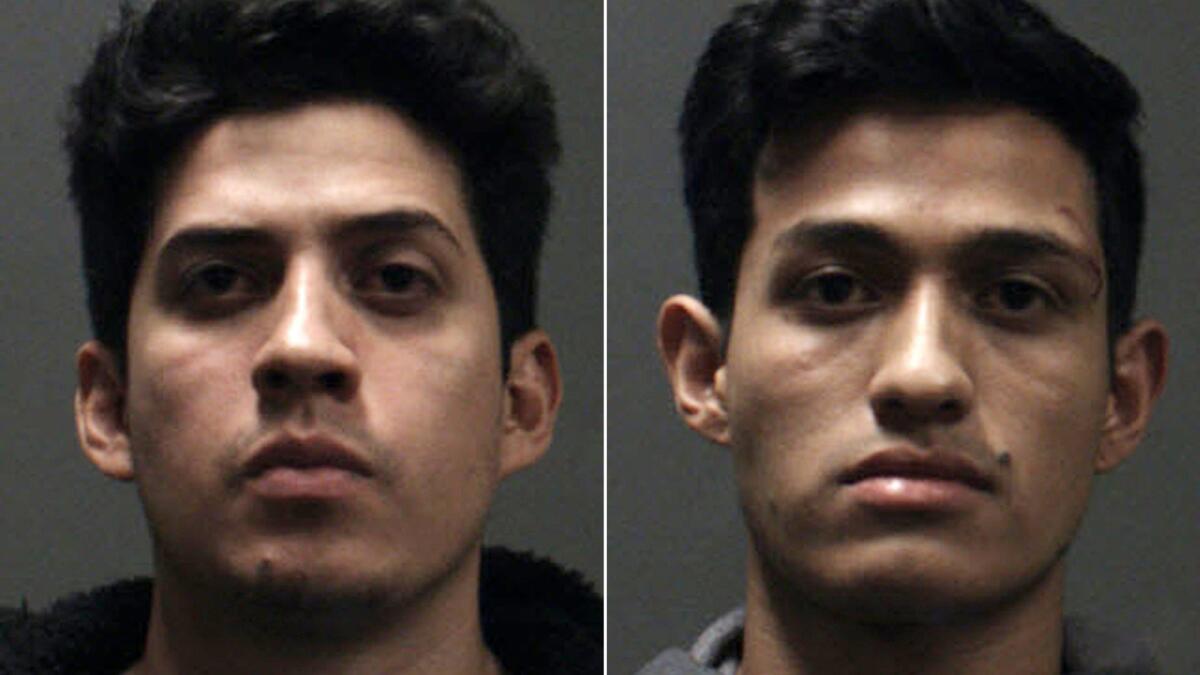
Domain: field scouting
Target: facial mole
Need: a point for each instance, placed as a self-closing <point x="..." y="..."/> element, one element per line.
<point x="1004" y="458"/>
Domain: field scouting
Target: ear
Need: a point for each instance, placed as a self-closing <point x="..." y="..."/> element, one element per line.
<point x="100" y="411"/>
<point x="689" y="342"/>
<point x="1138" y="373"/>
<point x="533" y="391"/>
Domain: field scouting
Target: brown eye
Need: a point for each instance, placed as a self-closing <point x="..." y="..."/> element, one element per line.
<point x="215" y="279"/>
<point x="830" y="294"/>
<point x="216" y="288"/>
<point x="1013" y="298"/>
<point x="219" y="279"/>
<point x="396" y="288"/>
<point x="1017" y="296"/>
<point x="834" y="289"/>
<point x="397" y="278"/>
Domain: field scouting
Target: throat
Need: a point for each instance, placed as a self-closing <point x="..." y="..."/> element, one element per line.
<point x="237" y="631"/>
<point x="793" y="633"/>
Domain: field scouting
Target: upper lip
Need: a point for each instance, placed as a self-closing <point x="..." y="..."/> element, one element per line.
<point x="304" y="452"/>
<point x="912" y="463"/>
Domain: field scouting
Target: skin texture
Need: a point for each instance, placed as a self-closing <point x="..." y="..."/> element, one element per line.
<point x="875" y="313"/>
<point x="312" y="276"/>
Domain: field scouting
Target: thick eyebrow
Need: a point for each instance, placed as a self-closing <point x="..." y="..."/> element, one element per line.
<point x="396" y="222"/>
<point x="1010" y="243"/>
<point x="227" y="236"/>
<point x="215" y="236"/>
<point x="987" y="242"/>
<point x="836" y="234"/>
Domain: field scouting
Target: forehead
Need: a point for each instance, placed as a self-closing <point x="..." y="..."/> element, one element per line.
<point x="310" y="166"/>
<point x="928" y="174"/>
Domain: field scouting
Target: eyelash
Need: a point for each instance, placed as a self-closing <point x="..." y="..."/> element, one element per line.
<point x="245" y="286"/>
<point x="401" y="300"/>
<point x="808" y="291"/>
<point x="1041" y="296"/>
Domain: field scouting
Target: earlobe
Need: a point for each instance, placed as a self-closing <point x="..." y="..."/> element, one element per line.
<point x="533" y="392"/>
<point x="689" y="342"/>
<point x="100" y="411"/>
<point x="1138" y="375"/>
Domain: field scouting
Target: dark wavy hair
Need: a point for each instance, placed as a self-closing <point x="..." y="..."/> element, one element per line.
<point x="165" y="74"/>
<point x="780" y="60"/>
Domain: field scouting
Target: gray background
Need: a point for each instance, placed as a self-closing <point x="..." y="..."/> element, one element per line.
<point x="674" y="532"/>
<point x="64" y="527"/>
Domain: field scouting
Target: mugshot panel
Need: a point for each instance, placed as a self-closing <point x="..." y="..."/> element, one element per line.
<point x="676" y="538"/>
<point x="67" y="528"/>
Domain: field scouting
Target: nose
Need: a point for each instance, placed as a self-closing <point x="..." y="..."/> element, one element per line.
<point x="920" y="378"/>
<point x="306" y="352"/>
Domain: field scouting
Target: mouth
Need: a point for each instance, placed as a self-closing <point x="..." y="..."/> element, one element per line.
<point x="905" y="479"/>
<point x="304" y="467"/>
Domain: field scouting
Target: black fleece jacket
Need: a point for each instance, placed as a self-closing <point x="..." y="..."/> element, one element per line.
<point x="538" y="619"/>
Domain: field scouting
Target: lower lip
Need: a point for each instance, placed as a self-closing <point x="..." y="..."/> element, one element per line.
<point x="902" y="493"/>
<point x="320" y="482"/>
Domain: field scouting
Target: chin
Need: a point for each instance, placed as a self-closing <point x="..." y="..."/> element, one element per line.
<point x="304" y="588"/>
<point x="339" y="579"/>
<point x="316" y="602"/>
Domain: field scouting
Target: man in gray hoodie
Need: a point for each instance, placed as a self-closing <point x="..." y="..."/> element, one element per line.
<point x="917" y="226"/>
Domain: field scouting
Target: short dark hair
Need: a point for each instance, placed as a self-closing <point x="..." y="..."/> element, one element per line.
<point x="165" y="74"/>
<point x="775" y="61"/>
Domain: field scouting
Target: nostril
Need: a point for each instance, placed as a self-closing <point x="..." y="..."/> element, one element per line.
<point x="285" y="381"/>
<point x="274" y="380"/>
<point x="332" y="381"/>
<point x="950" y="407"/>
<point x="901" y="411"/>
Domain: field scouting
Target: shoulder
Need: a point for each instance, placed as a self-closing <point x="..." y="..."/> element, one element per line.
<point x="718" y="651"/>
<point x="675" y="662"/>
<point x="539" y="617"/>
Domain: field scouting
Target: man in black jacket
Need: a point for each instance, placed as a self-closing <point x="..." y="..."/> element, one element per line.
<point x="310" y="232"/>
<point x="917" y="228"/>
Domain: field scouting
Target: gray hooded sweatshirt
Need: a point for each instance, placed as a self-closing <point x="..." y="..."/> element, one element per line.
<point x="1086" y="651"/>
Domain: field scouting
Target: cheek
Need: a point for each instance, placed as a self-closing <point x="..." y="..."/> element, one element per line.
<point x="795" y="407"/>
<point x="187" y="393"/>
<point x="191" y="406"/>
<point x="788" y="382"/>
<point x="436" y="408"/>
<point x="1055" y="390"/>
<point x="1046" y="407"/>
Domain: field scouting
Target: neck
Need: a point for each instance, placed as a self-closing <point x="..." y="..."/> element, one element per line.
<point x="788" y="634"/>
<point x="195" y="630"/>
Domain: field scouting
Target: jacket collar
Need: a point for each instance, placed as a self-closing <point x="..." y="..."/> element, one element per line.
<point x="537" y="618"/>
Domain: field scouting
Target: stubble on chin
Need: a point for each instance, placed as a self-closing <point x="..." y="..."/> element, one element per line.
<point x="292" y="603"/>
